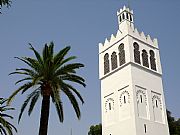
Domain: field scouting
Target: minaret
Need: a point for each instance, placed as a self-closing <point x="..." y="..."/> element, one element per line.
<point x="132" y="98"/>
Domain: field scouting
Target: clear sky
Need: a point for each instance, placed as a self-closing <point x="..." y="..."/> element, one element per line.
<point x="82" y="24"/>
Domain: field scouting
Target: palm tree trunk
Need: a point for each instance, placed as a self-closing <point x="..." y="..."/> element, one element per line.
<point x="44" y="115"/>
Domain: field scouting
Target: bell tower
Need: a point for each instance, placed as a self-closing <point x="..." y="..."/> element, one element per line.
<point x="132" y="98"/>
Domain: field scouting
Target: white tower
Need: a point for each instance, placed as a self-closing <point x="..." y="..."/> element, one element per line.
<point x="131" y="82"/>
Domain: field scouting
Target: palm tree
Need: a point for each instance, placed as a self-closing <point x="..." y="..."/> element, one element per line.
<point x="6" y="3"/>
<point x="49" y="75"/>
<point x="5" y="126"/>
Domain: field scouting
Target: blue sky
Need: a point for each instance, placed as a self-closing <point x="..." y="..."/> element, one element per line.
<point x="82" y="24"/>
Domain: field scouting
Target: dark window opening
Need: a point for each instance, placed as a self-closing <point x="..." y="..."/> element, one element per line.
<point x="145" y="58"/>
<point x="113" y="61"/>
<point x="156" y="103"/>
<point x="136" y="53"/>
<point x="123" y="16"/>
<point x="145" y="128"/>
<point x="109" y="106"/>
<point x="131" y="18"/>
<point x="152" y="60"/>
<point x="127" y="15"/>
<point x="120" y="18"/>
<point x="121" y="54"/>
<point x="125" y="99"/>
<point x="106" y="63"/>
<point x="141" y="98"/>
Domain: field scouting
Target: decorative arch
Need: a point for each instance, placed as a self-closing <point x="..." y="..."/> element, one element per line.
<point x="142" y="104"/>
<point x="106" y="63"/>
<point x="109" y="104"/>
<point x="145" y="58"/>
<point x="157" y="102"/>
<point x="124" y="98"/>
<point x="113" y="61"/>
<point x="121" y="54"/>
<point x="141" y="96"/>
<point x="136" y="53"/>
<point x="157" y="107"/>
<point x="152" y="60"/>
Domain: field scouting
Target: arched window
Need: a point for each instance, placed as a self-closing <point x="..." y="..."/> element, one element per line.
<point x="152" y="60"/>
<point x="120" y="18"/>
<point x="131" y="18"/>
<point x="123" y="16"/>
<point x="114" y="60"/>
<point x="127" y="16"/>
<point x="145" y="58"/>
<point x="124" y="99"/>
<point x="136" y="53"/>
<point x="121" y="54"/>
<point x="106" y="63"/>
<point x="109" y="106"/>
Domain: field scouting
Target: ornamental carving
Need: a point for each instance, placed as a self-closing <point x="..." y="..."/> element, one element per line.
<point x="109" y="101"/>
<point x="124" y="97"/>
<point x="156" y="99"/>
<point x="139" y="93"/>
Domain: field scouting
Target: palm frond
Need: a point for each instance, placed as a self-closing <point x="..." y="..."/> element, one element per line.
<point x="57" y="65"/>
<point x="75" y="91"/>
<point x="74" y="78"/>
<point x="5" y="126"/>
<point x="24" y="79"/>
<point x="58" y="105"/>
<point x="23" y="88"/>
<point x="73" y="101"/>
<point x="26" y="103"/>
<point x="38" y="56"/>
<point x="34" y="101"/>
<point x="68" y="59"/>
<point x="3" y="130"/>
<point x="51" y="50"/>
<point x="60" y="55"/>
<point x="6" y="115"/>
<point x="45" y="53"/>
<point x="69" y="68"/>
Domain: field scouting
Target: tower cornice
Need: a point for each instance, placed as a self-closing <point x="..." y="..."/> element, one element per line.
<point x="132" y="64"/>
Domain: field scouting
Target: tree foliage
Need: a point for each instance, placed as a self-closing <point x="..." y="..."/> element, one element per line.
<point x="6" y="3"/>
<point x="6" y="128"/>
<point x="47" y="76"/>
<point x="174" y="125"/>
<point x="95" y="130"/>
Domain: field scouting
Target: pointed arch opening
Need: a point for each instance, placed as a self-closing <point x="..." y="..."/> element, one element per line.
<point x="106" y="63"/>
<point x="121" y="54"/>
<point x="113" y="61"/>
<point x="145" y="58"/>
<point x="152" y="60"/>
<point x="136" y="53"/>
